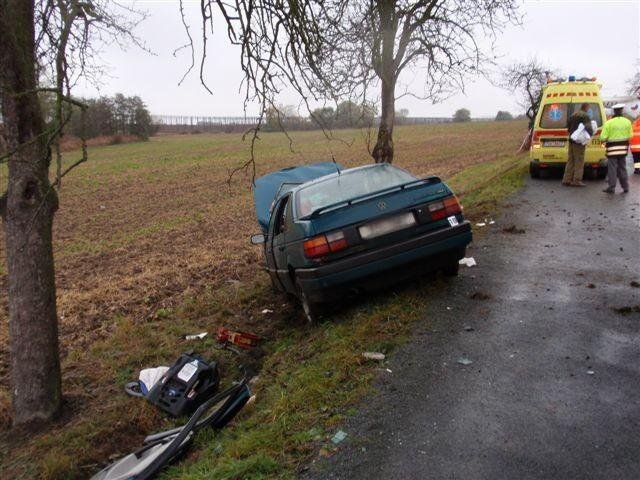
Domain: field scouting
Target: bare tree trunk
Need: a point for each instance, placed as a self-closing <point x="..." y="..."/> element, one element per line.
<point x="383" y="150"/>
<point x="27" y="210"/>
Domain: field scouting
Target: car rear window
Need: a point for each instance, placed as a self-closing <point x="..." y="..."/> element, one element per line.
<point x="349" y="185"/>
<point x="556" y="115"/>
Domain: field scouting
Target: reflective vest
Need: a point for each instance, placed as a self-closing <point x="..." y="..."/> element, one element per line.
<point x="616" y="129"/>
<point x="634" y="143"/>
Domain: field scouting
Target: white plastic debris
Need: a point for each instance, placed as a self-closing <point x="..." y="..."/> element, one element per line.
<point x="266" y="311"/>
<point x="338" y="437"/>
<point x="149" y="376"/>
<point x="196" y="336"/>
<point x="491" y="222"/>
<point x="481" y="224"/>
<point x="378" y="356"/>
<point x="468" y="261"/>
<point x="388" y="370"/>
<point x="590" y="372"/>
<point x="464" y="361"/>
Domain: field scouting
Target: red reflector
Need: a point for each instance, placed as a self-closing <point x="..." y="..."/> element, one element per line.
<point x="336" y="241"/>
<point x="316" y="247"/>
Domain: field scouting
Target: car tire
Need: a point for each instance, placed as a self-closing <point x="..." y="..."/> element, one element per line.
<point x="451" y="269"/>
<point x="534" y="172"/>
<point x="311" y="310"/>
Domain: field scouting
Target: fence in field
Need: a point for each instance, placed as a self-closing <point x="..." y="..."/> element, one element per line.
<point x="200" y="124"/>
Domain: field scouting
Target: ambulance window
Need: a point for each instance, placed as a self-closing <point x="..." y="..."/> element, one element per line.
<point x="554" y="115"/>
<point x="593" y="111"/>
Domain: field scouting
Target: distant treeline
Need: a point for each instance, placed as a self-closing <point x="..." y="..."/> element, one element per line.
<point x="107" y="116"/>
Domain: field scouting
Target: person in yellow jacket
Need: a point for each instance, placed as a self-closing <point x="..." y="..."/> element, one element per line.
<point x="616" y="134"/>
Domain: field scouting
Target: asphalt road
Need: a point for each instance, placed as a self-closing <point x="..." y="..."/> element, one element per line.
<point x="554" y="388"/>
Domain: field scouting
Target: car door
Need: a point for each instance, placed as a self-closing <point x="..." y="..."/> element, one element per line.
<point x="276" y="245"/>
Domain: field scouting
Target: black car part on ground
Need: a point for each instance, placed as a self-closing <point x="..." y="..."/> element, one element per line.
<point x="186" y="385"/>
<point x="164" y="447"/>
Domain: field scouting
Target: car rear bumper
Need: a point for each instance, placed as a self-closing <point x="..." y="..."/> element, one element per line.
<point x="556" y="164"/>
<point x="429" y="251"/>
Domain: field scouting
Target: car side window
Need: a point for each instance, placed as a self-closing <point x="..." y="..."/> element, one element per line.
<point x="281" y="218"/>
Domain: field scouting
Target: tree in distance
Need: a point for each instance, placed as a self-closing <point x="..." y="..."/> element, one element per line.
<point x="525" y="80"/>
<point x="502" y="116"/>
<point x="462" y="115"/>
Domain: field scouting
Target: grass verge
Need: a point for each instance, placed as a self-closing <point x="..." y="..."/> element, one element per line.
<point x="310" y="378"/>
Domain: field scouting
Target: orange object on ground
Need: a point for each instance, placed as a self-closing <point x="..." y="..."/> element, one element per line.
<point x="241" y="339"/>
<point x="634" y="142"/>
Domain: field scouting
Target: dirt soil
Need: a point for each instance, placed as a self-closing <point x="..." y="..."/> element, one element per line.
<point x="538" y="381"/>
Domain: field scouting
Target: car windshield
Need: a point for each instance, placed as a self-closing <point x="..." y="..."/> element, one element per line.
<point x="555" y="115"/>
<point x="349" y="185"/>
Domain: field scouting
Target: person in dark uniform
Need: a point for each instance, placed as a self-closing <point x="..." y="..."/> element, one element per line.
<point x="575" y="162"/>
<point x="616" y="133"/>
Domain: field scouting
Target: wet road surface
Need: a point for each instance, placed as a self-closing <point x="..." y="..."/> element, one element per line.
<point x="554" y="388"/>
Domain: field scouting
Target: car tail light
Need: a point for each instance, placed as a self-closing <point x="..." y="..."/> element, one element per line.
<point x="445" y="208"/>
<point x="452" y="205"/>
<point x="323" y="244"/>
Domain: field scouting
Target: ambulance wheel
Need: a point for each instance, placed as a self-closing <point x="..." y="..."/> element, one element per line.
<point x="602" y="173"/>
<point x="544" y="173"/>
<point x="594" y="173"/>
<point x="534" y="171"/>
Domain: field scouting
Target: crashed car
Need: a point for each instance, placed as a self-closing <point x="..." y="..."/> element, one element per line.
<point x="329" y="231"/>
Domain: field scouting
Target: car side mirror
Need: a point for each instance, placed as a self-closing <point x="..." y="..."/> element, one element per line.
<point x="257" y="239"/>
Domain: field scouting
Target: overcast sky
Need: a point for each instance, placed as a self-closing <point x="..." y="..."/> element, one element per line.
<point x="586" y="38"/>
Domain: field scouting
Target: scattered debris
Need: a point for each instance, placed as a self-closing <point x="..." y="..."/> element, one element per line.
<point x="338" y="437"/>
<point x="590" y="285"/>
<point x="388" y="370"/>
<point x="491" y="222"/>
<point x="468" y="261"/>
<point x="627" y="310"/>
<point x="513" y="229"/>
<point x="468" y="328"/>
<point x="481" y="224"/>
<point x="266" y="311"/>
<point x="479" y="296"/>
<point x="241" y="339"/>
<point x="378" y="356"/>
<point x="464" y="361"/>
<point x="634" y="284"/>
<point x="196" y="336"/>
<point x="590" y="372"/>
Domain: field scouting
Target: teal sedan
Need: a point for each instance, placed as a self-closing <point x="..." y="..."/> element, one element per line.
<point x="328" y="232"/>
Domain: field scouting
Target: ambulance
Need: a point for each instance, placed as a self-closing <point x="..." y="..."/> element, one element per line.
<point x="550" y="138"/>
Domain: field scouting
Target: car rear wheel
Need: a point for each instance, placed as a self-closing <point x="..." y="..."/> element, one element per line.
<point x="310" y="309"/>
<point x="451" y="269"/>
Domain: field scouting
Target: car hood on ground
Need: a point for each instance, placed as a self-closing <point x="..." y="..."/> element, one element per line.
<point x="269" y="187"/>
